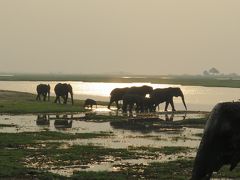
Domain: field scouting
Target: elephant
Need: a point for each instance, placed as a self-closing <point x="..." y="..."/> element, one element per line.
<point x="149" y="105"/>
<point x="89" y="103"/>
<point x="141" y="91"/>
<point x="166" y="95"/>
<point x="118" y="93"/>
<point x="220" y="144"/>
<point x="62" y="90"/>
<point x="129" y="100"/>
<point x="43" y="90"/>
<point x="143" y="104"/>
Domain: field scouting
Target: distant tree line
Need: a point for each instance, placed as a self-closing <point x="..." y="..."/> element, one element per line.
<point x="215" y="72"/>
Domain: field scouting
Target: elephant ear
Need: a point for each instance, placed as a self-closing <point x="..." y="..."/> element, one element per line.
<point x="220" y="144"/>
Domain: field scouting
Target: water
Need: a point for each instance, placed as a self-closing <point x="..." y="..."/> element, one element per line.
<point x="197" y="97"/>
<point x="126" y="134"/>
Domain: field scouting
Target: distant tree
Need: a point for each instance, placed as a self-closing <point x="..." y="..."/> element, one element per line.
<point x="214" y="71"/>
<point x="206" y="73"/>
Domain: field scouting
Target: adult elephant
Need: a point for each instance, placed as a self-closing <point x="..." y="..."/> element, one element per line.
<point x="129" y="100"/>
<point x="143" y="104"/>
<point x="62" y="90"/>
<point x="220" y="144"/>
<point x="118" y="93"/>
<point x="140" y="91"/>
<point x="43" y="90"/>
<point x="166" y="95"/>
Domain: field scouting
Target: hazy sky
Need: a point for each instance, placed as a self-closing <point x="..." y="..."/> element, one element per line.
<point x="105" y="36"/>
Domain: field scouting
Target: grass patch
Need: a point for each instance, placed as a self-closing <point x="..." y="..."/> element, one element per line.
<point x="20" y="103"/>
<point x="25" y="138"/>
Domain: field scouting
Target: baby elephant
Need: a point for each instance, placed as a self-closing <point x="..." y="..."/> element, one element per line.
<point x="89" y="103"/>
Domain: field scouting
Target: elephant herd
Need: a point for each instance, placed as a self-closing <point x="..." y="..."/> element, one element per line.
<point x="130" y="96"/>
<point x="61" y="91"/>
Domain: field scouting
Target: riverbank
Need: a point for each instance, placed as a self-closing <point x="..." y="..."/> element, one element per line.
<point x="207" y="81"/>
<point x="14" y="102"/>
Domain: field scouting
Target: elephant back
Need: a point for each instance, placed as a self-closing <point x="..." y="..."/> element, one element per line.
<point x="141" y="91"/>
<point x="90" y="102"/>
<point x="61" y="89"/>
<point x="43" y="88"/>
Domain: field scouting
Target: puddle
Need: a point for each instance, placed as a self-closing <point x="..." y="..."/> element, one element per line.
<point x="133" y="132"/>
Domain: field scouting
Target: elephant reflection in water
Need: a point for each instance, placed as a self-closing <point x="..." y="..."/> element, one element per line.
<point x="43" y="120"/>
<point x="63" y="122"/>
<point x="145" y="124"/>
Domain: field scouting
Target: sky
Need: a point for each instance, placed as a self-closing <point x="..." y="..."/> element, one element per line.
<point x="152" y="37"/>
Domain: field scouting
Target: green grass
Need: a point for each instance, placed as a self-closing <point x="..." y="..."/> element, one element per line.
<point x="20" y="103"/>
<point x="27" y="138"/>
<point x="16" y="148"/>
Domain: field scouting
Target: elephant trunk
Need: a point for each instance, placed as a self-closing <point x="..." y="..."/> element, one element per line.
<point x="72" y="97"/>
<point x="183" y="100"/>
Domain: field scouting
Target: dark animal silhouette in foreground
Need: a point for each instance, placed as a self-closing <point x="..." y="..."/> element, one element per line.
<point x="43" y="90"/>
<point x="220" y="144"/>
<point x="166" y="95"/>
<point x="118" y="93"/>
<point x="89" y="103"/>
<point x="62" y="90"/>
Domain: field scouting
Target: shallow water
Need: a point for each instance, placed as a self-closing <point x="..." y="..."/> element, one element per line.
<point x="197" y="97"/>
<point x="124" y="136"/>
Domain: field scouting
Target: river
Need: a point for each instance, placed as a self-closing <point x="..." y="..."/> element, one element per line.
<point x="197" y="97"/>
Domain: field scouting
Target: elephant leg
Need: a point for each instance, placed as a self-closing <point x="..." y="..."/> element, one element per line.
<point x="172" y="104"/>
<point x="44" y="96"/>
<point x="130" y="107"/>
<point x="124" y="107"/>
<point x="166" y="106"/>
<point x="38" y="97"/>
<point x="66" y="98"/>
<point x="110" y="103"/>
<point x="56" y="99"/>
<point x="118" y="107"/>
<point x="63" y="97"/>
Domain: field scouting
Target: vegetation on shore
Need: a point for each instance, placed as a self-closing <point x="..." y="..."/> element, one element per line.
<point x="22" y="103"/>
<point x="208" y="81"/>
